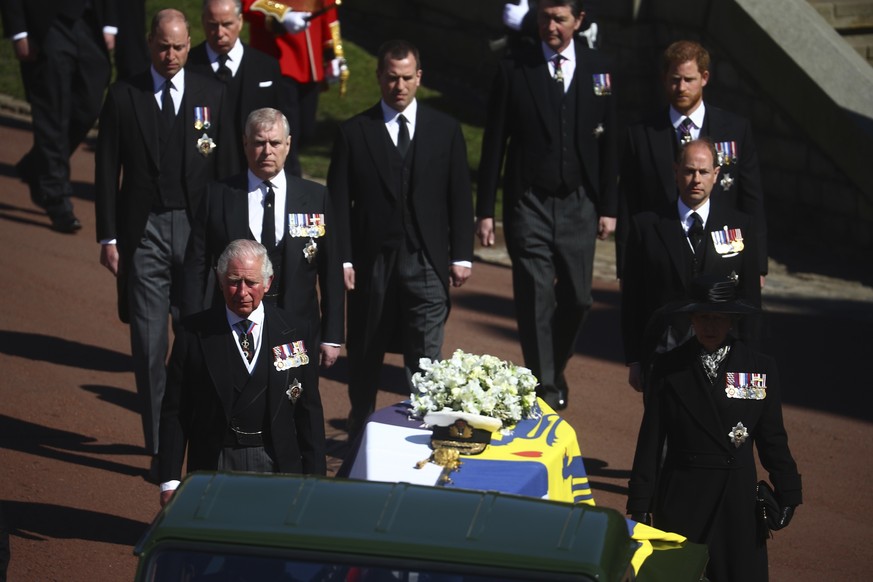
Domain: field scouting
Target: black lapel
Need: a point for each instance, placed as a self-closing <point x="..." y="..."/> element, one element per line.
<point x="535" y="70"/>
<point x="670" y="231"/>
<point x="145" y="111"/>
<point x="373" y="127"/>
<point x="662" y="138"/>
<point x="214" y="344"/>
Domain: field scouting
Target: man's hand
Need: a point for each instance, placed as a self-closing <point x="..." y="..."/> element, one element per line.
<point x="605" y="227"/>
<point x="513" y="14"/>
<point x="458" y="275"/>
<point x="109" y="258"/>
<point x="294" y="22"/>
<point x="763" y="280"/>
<point x="329" y="354"/>
<point x="166" y="496"/>
<point x="634" y="377"/>
<point x="349" y="278"/>
<point x="109" y="39"/>
<point x="485" y="231"/>
<point x="23" y="51"/>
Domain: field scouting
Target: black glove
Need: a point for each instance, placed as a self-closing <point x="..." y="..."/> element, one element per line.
<point x="646" y="518"/>
<point x="785" y="515"/>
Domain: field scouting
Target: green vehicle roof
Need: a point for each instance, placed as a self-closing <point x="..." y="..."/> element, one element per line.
<point x="395" y="521"/>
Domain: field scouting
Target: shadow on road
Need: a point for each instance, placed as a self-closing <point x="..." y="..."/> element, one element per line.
<point x="46" y="348"/>
<point x="38" y="521"/>
<point x="68" y="447"/>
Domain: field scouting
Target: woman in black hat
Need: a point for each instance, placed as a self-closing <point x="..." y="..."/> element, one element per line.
<point x="712" y="398"/>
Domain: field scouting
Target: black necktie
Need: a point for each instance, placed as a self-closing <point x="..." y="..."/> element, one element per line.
<point x="695" y="232"/>
<point x="268" y="228"/>
<point x="223" y="73"/>
<point x="402" y="136"/>
<point x="246" y="339"/>
<point x="168" y="109"/>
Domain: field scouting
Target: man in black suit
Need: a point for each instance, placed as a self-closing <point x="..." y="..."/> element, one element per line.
<point x="301" y="236"/>
<point x="647" y="179"/>
<point x="63" y="47"/>
<point x="252" y="78"/>
<point x="553" y="105"/>
<point x="155" y="156"/>
<point x="666" y="250"/>
<point x="241" y="392"/>
<point x="400" y="184"/>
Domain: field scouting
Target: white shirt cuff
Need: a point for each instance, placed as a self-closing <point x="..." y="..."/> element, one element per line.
<point x="170" y="486"/>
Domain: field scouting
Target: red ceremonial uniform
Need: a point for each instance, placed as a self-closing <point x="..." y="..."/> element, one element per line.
<point x="293" y="50"/>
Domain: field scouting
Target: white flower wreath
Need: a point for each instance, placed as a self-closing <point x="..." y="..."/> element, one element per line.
<point x="483" y="385"/>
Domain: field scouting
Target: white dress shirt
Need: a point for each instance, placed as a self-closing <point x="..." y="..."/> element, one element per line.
<point x="234" y="58"/>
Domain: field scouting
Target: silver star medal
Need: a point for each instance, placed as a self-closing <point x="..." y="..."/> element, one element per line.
<point x="205" y="145"/>
<point x="294" y="391"/>
<point x="739" y="434"/>
<point x="598" y="131"/>
<point x="310" y="250"/>
<point x="726" y="182"/>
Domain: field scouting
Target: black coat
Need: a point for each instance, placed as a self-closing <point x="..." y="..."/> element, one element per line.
<point x="128" y="160"/>
<point x="199" y="396"/>
<point x="520" y="115"/>
<point x="364" y="194"/>
<point x="260" y="85"/>
<point x="705" y="488"/>
<point x="658" y="268"/>
<point x="648" y="181"/>
<point x="36" y="18"/>
<point x="223" y="216"/>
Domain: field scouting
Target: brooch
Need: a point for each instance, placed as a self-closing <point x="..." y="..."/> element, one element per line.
<point x="310" y="250"/>
<point x="205" y="145"/>
<point x="202" y="118"/>
<point x="289" y="356"/>
<point x="294" y="391"/>
<point x="739" y="434"/>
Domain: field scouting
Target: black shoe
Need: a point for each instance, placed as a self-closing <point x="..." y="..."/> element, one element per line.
<point x="562" y="399"/>
<point x="66" y="223"/>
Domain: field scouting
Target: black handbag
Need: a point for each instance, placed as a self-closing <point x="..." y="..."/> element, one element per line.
<point x="769" y="511"/>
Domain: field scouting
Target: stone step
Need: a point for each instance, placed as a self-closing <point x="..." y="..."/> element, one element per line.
<point x="846" y="15"/>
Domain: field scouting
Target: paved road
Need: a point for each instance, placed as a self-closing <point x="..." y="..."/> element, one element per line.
<point x="71" y="470"/>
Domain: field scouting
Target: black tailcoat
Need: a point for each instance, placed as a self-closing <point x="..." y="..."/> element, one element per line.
<point x="223" y="216"/>
<point x="658" y="270"/>
<point x="128" y="160"/>
<point x="648" y="181"/>
<point x="196" y="410"/>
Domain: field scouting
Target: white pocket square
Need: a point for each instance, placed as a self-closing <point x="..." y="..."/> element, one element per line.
<point x="265" y="84"/>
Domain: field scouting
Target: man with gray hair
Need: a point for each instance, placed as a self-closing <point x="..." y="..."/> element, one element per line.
<point x="252" y="78"/>
<point x="290" y="216"/>
<point x="242" y="391"/>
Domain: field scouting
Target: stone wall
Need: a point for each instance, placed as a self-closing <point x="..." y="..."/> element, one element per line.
<point x="810" y="104"/>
